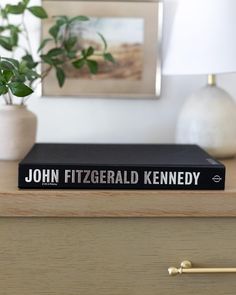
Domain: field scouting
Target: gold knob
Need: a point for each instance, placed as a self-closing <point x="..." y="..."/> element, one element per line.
<point x="187" y="268"/>
<point x="173" y="271"/>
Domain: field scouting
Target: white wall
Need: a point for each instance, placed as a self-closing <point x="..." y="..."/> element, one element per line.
<point x="115" y="120"/>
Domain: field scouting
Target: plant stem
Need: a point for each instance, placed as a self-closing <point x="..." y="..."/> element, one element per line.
<point x="22" y="101"/>
<point x="27" y="34"/>
<point x="2" y="21"/>
<point x="10" y="100"/>
<point x="5" y="99"/>
<point x="46" y="72"/>
<point x="43" y="76"/>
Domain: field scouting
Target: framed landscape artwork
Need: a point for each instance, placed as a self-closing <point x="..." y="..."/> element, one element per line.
<point x="133" y="34"/>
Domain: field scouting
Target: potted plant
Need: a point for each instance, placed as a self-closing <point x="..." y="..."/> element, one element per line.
<point x="17" y="123"/>
<point x="20" y="77"/>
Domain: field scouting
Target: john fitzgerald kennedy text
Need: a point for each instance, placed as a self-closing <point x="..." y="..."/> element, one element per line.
<point x="109" y="176"/>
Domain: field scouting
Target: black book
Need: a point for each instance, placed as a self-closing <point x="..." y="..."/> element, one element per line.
<point x="120" y="166"/>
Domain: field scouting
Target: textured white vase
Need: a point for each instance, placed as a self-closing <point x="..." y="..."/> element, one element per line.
<point x="208" y="118"/>
<point x="17" y="131"/>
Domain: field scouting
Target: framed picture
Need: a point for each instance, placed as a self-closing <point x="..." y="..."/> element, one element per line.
<point x="133" y="34"/>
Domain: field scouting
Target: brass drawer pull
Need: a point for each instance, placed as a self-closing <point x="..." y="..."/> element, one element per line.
<point x="186" y="267"/>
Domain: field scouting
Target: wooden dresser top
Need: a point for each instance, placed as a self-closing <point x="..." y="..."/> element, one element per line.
<point x="114" y="203"/>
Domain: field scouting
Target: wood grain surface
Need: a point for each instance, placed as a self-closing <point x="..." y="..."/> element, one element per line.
<point x="114" y="256"/>
<point x="114" y="203"/>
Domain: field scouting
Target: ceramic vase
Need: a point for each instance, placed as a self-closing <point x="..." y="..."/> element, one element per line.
<point x="18" y="128"/>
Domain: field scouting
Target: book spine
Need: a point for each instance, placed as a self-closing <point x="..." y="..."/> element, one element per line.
<point x="77" y="177"/>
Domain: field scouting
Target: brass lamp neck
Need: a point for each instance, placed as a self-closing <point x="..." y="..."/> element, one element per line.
<point x="211" y="80"/>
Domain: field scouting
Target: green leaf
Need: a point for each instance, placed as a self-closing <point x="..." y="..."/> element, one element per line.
<point x="107" y="56"/>
<point x="90" y="51"/>
<point x="38" y="11"/>
<point x="78" y="64"/>
<point x="15" y="9"/>
<point x="8" y="42"/>
<point x="6" y="65"/>
<point x="70" y="43"/>
<point x="2" y="28"/>
<point x="30" y="63"/>
<point x="25" y="2"/>
<point x="62" y="20"/>
<point x="57" y="61"/>
<point x="103" y="41"/>
<point x="55" y="52"/>
<point x="3" y="89"/>
<point x="19" y="78"/>
<point x="71" y="54"/>
<point x="20" y="89"/>
<point x="43" y="43"/>
<point x="53" y="31"/>
<point x="14" y="37"/>
<point x="7" y="74"/>
<point x="47" y="59"/>
<point x="13" y="61"/>
<point x="13" y="28"/>
<point x="51" y="61"/>
<point x="3" y="13"/>
<point x="23" y="67"/>
<point x="79" y="18"/>
<point x="92" y="65"/>
<point x="32" y="74"/>
<point x="5" y="42"/>
<point x="60" y="76"/>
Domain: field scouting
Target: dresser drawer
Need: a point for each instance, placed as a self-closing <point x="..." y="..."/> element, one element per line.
<point x="115" y="256"/>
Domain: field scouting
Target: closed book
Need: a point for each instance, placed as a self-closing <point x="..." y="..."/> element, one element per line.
<point x="120" y="166"/>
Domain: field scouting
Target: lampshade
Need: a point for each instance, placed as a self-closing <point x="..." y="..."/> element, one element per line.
<point x="202" y="38"/>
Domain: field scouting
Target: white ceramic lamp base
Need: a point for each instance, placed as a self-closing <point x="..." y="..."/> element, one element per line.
<point x="208" y="119"/>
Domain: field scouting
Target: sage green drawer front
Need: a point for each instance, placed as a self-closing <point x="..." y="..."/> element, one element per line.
<point x="105" y="256"/>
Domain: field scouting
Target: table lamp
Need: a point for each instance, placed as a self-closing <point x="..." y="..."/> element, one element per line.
<point x="202" y="41"/>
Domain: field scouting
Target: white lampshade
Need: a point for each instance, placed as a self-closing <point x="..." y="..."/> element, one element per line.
<point x="202" y="38"/>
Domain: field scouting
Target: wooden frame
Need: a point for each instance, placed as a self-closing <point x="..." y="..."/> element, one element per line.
<point x="148" y="84"/>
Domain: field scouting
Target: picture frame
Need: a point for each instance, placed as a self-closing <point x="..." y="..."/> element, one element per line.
<point x="135" y="43"/>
